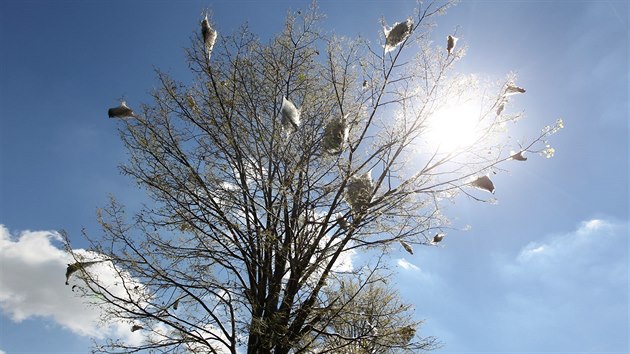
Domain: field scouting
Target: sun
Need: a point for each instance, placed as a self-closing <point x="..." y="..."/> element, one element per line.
<point x="454" y="127"/>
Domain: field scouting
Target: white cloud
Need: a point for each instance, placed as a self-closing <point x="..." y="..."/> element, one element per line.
<point x="33" y="285"/>
<point x="550" y="284"/>
<point x="403" y="263"/>
<point x="531" y="252"/>
<point x="562" y="292"/>
<point x="215" y="337"/>
<point x="597" y="249"/>
<point x="344" y="262"/>
<point x="592" y="225"/>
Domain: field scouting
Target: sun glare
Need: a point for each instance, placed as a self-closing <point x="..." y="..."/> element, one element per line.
<point x="454" y="127"/>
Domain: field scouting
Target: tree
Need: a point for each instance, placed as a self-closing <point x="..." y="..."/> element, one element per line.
<point x="256" y="212"/>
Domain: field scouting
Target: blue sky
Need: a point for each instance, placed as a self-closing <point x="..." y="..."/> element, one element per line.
<point x="545" y="270"/>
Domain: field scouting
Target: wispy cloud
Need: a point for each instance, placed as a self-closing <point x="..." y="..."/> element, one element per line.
<point x="594" y="243"/>
<point x="32" y="285"/>
<point x="563" y="291"/>
<point x="580" y="275"/>
<point x="406" y="265"/>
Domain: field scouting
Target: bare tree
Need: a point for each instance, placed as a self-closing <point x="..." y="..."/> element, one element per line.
<point x="275" y="166"/>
